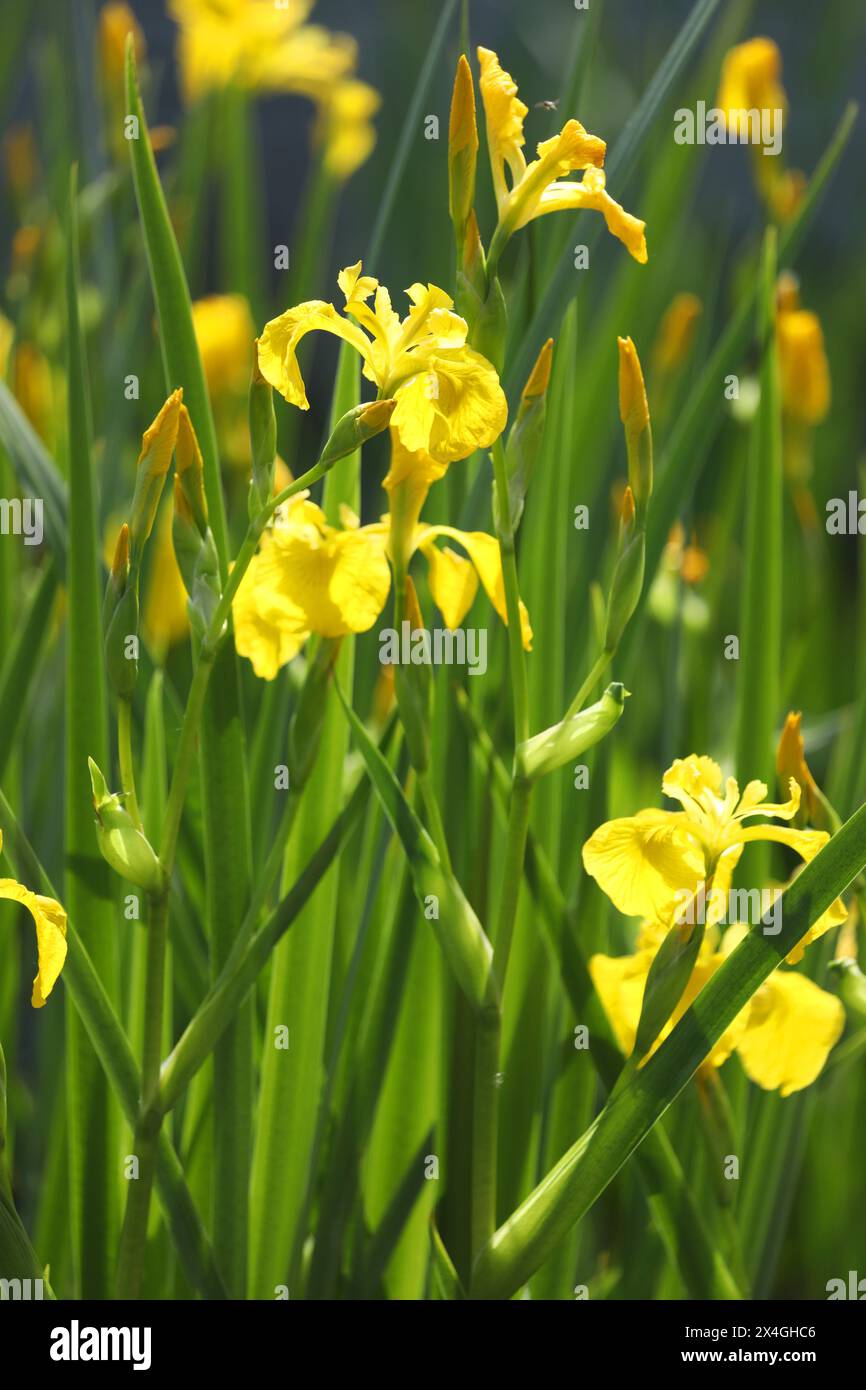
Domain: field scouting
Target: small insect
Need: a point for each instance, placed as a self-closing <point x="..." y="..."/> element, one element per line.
<point x="546" y="105"/>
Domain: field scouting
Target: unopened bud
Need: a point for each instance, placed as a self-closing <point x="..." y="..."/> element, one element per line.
<point x="354" y="428"/>
<point x="121" y="843"/>
<point x="634" y="413"/>
<point x="570" y="738"/>
<point x="157" y="447"/>
<point x="462" y="148"/>
<point x="526" y="434"/>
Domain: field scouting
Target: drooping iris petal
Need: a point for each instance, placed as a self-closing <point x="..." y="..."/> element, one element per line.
<point x="278" y="345"/>
<point x="645" y="863"/>
<point x="337" y="581"/>
<point x="453" y="405"/>
<point x="453" y="582"/>
<point x="50" y="921"/>
<point x="483" y="551"/>
<point x="591" y="192"/>
<point x="267" y="636"/>
<point x="792" y="1025"/>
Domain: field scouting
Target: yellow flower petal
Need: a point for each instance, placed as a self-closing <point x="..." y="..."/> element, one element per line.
<point x="792" y="1025"/>
<point x="592" y="193"/>
<point x="621" y="981"/>
<point x="644" y="862"/>
<point x="224" y="333"/>
<point x="279" y="343"/>
<point x="483" y="551"/>
<point x="268" y="643"/>
<point x="452" y="406"/>
<point x="690" y="779"/>
<point x="346" y="126"/>
<point x="751" y="78"/>
<point x="504" y="112"/>
<point x="335" y="581"/>
<point x="50" y="921"/>
<point x="165" y="619"/>
<point x="453" y="583"/>
<point x="803" y="366"/>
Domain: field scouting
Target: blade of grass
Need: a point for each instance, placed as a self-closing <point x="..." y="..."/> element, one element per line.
<point x="93" y="1117"/>
<point x="409" y="133"/>
<point x="228" y="854"/>
<point x="760" y="659"/>
<point x="22" y="661"/>
<point x="291" y="1078"/>
<point x="36" y="471"/>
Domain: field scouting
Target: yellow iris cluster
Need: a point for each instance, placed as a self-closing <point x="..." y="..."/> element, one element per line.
<point x="261" y="46"/>
<point x="648" y="863"/>
<point x="310" y="577"/>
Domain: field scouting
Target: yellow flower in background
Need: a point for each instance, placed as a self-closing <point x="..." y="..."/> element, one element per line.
<point x="526" y="191"/>
<point x="310" y="577"/>
<point x="50" y="921"/>
<point x="225" y="333"/>
<point x="257" y="45"/>
<point x="449" y="400"/>
<point x="165" y="619"/>
<point x="648" y="863"/>
<point x="261" y="46"/>
<point x="116" y="21"/>
<point x="803" y="366"/>
<point x="676" y="333"/>
<point x="345" y="126"/>
<point x="751" y="79"/>
<point x="782" y="1037"/>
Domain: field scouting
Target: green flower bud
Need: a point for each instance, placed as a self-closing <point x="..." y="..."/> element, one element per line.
<point x="121" y="844"/>
<point x="526" y="434"/>
<point x="670" y="972"/>
<point x="572" y="736"/>
<point x="462" y="148"/>
<point x="354" y="428"/>
<point x="627" y="583"/>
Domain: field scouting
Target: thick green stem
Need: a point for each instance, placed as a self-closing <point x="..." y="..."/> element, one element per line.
<point x="124" y="754"/>
<point x="489" y="1027"/>
<point x="133" y="1240"/>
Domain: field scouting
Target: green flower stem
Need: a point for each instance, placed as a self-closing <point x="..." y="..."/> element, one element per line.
<point x="600" y="664"/>
<point x="489" y="1026"/>
<point x="124" y="753"/>
<point x="133" y="1239"/>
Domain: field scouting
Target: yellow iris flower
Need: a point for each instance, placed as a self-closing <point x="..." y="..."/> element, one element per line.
<point x="782" y="1037"/>
<point x="526" y="191"/>
<point x="449" y="400"/>
<point x="266" y="47"/>
<point x="751" y="80"/>
<point x="50" y="921"/>
<point x="648" y="863"/>
<point x="310" y="577"/>
<point x="258" y="45"/>
<point x="803" y="366"/>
